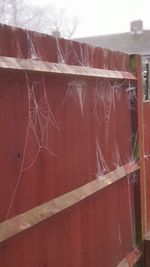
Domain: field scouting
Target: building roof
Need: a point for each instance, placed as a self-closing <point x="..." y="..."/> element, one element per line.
<point x="129" y="42"/>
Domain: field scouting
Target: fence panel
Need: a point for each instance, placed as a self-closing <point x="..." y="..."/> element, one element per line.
<point x="68" y="152"/>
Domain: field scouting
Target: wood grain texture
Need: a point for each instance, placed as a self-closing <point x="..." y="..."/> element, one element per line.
<point x="28" y="65"/>
<point x="26" y="220"/>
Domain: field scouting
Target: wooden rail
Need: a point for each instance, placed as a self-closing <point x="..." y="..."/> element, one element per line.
<point x="17" y="64"/>
<point x="23" y="221"/>
<point x="131" y="258"/>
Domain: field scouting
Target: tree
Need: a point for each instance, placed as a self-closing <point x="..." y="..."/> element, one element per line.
<point x="44" y="19"/>
<point x="57" y="20"/>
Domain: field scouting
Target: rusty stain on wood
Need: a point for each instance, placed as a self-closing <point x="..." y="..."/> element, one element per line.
<point x="44" y="211"/>
<point x="10" y="63"/>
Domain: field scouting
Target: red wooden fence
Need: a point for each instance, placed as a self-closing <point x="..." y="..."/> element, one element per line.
<point x="68" y="176"/>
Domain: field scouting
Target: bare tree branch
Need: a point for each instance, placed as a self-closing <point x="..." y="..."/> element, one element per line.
<point x="46" y="19"/>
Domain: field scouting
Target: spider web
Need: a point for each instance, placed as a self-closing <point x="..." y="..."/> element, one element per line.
<point x="132" y="96"/>
<point x="32" y="51"/>
<point x="106" y="94"/>
<point x="81" y="56"/>
<point x="76" y="89"/>
<point x="116" y="157"/>
<point x="40" y="117"/>
<point x="102" y="167"/>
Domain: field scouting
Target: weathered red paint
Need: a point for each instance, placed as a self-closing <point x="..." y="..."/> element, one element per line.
<point x="82" y="236"/>
<point x="99" y="230"/>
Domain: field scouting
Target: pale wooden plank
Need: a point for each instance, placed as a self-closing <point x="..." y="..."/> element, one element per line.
<point x="28" y="65"/>
<point x="147" y="236"/>
<point x="131" y="258"/>
<point x="21" y="222"/>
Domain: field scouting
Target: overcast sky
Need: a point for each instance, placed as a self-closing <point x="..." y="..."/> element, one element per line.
<point x="97" y="17"/>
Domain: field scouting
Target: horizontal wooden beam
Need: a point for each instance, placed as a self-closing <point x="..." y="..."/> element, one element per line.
<point x="131" y="258"/>
<point x="28" y="65"/>
<point x="147" y="236"/>
<point x="21" y="222"/>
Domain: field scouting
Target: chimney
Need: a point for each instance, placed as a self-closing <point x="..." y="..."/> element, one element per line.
<point x="56" y="34"/>
<point x="136" y="26"/>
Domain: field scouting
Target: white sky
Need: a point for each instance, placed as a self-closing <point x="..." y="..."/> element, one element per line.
<point x="98" y="17"/>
